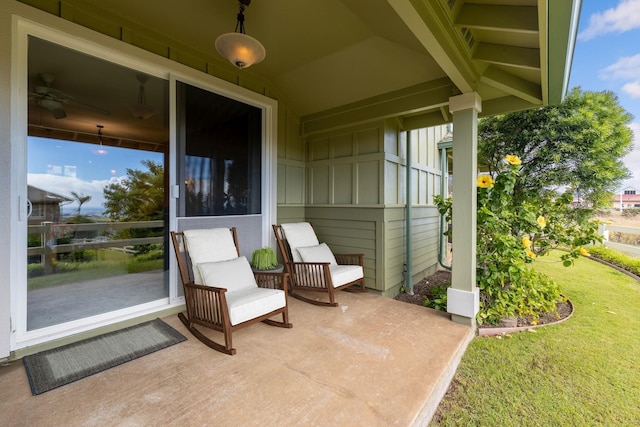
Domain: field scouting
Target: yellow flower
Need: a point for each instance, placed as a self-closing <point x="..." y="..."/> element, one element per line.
<point x="531" y="254"/>
<point x="484" y="181"/>
<point x="608" y="222"/>
<point x="513" y="160"/>
<point x="526" y="242"/>
<point x="542" y="222"/>
<point x="584" y="252"/>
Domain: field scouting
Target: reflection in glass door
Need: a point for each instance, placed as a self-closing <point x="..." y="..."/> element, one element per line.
<point x="98" y="205"/>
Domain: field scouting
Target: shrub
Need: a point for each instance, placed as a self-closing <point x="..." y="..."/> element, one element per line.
<point x="79" y="255"/>
<point x="35" y="270"/>
<point x="510" y="235"/>
<point x="150" y="255"/>
<point x="616" y="258"/>
<point x="630" y="213"/>
<point x="437" y="299"/>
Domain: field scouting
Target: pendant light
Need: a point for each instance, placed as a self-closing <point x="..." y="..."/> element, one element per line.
<point x="99" y="151"/>
<point x="140" y="109"/>
<point x="240" y="49"/>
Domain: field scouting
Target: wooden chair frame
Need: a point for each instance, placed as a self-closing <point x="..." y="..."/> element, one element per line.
<point x="207" y="305"/>
<point x="315" y="276"/>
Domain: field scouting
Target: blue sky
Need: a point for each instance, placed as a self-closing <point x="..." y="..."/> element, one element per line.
<point x="63" y="166"/>
<point x="607" y="57"/>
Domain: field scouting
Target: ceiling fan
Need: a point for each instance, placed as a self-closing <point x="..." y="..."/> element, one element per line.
<point x="52" y="99"/>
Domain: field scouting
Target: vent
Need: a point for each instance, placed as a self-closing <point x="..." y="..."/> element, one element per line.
<point x="468" y="37"/>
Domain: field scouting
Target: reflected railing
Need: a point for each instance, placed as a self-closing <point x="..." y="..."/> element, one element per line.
<point x="54" y="238"/>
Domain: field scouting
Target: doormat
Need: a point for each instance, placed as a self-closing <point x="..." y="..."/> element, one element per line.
<point x="59" y="366"/>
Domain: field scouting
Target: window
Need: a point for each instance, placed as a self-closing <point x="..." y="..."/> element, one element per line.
<point x="220" y="154"/>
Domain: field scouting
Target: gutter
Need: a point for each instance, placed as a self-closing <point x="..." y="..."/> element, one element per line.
<point x="445" y="144"/>
<point x="408" y="274"/>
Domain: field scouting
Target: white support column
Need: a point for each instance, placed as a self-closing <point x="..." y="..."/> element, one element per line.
<point x="463" y="298"/>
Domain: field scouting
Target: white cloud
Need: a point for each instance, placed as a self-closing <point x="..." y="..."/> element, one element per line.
<point x="624" y="17"/>
<point x="633" y="89"/>
<point x="64" y="185"/>
<point x="627" y="67"/>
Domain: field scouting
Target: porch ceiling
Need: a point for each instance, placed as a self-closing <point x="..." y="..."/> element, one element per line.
<point x="332" y="56"/>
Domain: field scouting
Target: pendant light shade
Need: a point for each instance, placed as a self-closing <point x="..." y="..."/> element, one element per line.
<point x="240" y="49"/>
<point x="140" y="109"/>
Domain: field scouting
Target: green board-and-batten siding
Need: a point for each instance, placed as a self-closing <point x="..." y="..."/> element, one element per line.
<point x="356" y="179"/>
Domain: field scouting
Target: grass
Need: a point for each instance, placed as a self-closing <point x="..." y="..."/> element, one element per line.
<point x="583" y="372"/>
<point x="108" y="264"/>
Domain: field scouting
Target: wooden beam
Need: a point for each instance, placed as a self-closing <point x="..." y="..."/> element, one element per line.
<point x="421" y="121"/>
<point x="445" y="114"/>
<point x="504" y="105"/>
<point x="430" y="23"/>
<point x="412" y="100"/>
<point x="512" y="84"/>
<point x="512" y="56"/>
<point x="521" y="19"/>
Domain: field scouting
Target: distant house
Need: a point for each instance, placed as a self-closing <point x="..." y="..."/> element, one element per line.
<point x="628" y="198"/>
<point x="44" y="205"/>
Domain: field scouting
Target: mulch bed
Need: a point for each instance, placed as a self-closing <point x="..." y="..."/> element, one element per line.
<point x="422" y="291"/>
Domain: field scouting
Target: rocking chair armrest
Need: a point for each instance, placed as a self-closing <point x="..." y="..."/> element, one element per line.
<point x="295" y="266"/>
<point x="272" y="280"/>
<point x="213" y="289"/>
<point x="350" y="259"/>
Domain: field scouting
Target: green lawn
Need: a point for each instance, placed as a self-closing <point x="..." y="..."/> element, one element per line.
<point x="107" y="264"/>
<point x="583" y="372"/>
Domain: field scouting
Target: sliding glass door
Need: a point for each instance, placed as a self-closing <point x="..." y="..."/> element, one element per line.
<point x="118" y="148"/>
<point x="97" y="150"/>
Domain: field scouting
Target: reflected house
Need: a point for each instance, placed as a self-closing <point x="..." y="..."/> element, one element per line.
<point x="44" y="205"/>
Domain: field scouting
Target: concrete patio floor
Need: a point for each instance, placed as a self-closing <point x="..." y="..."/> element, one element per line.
<point x="373" y="361"/>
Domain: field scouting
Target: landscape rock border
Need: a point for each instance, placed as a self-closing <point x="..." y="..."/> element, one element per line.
<point x="498" y="331"/>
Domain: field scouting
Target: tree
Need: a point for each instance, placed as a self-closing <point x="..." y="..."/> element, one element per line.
<point x="578" y="145"/>
<point x="138" y="197"/>
<point x="80" y="199"/>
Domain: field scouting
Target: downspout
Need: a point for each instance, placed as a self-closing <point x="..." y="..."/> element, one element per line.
<point x="408" y="274"/>
<point x="446" y="143"/>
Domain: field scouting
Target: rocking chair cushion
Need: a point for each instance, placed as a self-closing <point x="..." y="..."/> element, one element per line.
<point x="299" y="235"/>
<point x="249" y="303"/>
<point x="318" y="253"/>
<point x="343" y="274"/>
<point x="209" y="245"/>
<point x="234" y="275"/>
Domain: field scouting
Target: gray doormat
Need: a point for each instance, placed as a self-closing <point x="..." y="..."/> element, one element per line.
<point x="59" y="366"/>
